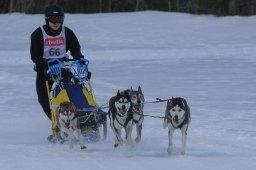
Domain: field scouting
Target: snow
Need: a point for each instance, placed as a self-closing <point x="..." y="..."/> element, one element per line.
<point x="207" y="60"/>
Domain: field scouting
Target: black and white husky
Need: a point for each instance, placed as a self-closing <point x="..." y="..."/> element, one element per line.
<point x="177" y="116"/>
<point x="120" y="117"/>
<point x="137" y="99"/>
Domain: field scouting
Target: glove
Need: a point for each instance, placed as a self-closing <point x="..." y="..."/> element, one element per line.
<point x="89" y="75"/>
<point x="54" y="68"/>
<point x="81" y="68"/>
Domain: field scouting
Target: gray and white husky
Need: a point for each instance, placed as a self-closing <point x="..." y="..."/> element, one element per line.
<point x="137" y="99"/>
<point x="177" y="116"/>
<point x="120" y="117"/>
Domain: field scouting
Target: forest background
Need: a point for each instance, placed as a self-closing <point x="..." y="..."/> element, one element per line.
<point x="214" y="7"/>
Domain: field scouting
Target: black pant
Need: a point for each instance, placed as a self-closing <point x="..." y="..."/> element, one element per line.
<point x="42" y="94"/>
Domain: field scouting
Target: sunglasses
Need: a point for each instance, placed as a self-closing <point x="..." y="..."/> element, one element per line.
<point x="56" y="19"/>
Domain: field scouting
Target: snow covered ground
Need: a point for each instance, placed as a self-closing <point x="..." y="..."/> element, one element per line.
<point x="208" y="60"/>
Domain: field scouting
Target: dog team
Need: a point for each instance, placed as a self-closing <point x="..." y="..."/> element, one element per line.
<point x="126" y="111"/>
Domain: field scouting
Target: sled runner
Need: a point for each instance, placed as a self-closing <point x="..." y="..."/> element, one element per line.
<point x="69" y="80"/>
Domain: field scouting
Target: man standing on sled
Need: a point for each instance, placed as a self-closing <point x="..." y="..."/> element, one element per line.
<point x="50" y="41"/>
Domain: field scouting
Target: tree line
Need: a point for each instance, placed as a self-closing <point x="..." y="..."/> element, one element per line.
<point x="215" y="7"/>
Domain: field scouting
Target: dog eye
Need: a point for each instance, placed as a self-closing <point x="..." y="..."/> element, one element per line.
<point x="63" y="113"/>
<point x="179" y="110"/>
<point x="173" y="110"/>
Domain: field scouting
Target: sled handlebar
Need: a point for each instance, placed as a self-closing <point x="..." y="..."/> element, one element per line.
<point x="78" y="67"/>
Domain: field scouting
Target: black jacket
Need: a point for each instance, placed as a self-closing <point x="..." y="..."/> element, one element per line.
<point x="37" y="45"/>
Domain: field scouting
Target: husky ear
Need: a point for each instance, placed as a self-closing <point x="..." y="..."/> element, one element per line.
<point x="184" y="103"/>
<point x="73" y="107"/>
<point x="54" y="107"/>
<point x="169" y="103"/>
<point x="118" y="93"/>
<point x="139" y="89"/>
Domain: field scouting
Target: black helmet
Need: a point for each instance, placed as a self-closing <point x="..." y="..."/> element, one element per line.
<point x="54" y="11"/>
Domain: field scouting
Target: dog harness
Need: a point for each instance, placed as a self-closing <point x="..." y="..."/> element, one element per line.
<point x="127" y="120"/>
<point x="138" y="112"/>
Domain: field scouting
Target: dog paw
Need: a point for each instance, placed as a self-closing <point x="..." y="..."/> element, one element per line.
<point x="83" y="147"/>
<point x="169" y="151"/>
<point x="115" y="145"/>
<point x="137" y="140"/>
<point x="104" y="138"/>
<point x="128" y="143"/>
<point x="121" y="142"/>
<point x="61" y="141"/>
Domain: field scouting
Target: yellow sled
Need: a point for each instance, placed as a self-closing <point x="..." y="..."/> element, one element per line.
<point x="70" y="81"/>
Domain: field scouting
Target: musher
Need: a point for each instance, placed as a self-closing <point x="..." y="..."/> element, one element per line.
<point x="52" y="40"/>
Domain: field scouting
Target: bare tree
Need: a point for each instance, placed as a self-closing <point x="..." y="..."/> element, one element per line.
<point x="109" y="5"/>
<point x="216" y="7"/>
<point x="100" y="6"/>
<point x="139" y="5"/>
<point x="169" y="5"/>
<point x="193" y="6"/>
<point x="11" y="6"/>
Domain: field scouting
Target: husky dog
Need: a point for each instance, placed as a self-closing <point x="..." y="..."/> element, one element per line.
<point x="67" y="122"/>
<point x="177" y="116"/>
<point x="137" y="99"/>
<point x="120" y="117"/>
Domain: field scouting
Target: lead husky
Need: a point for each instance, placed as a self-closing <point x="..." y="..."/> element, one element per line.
<point x="67" y="122"/>
<point x="177" y="116"/>
<point x="120" y="117"/>
<point x="137" y="99"/>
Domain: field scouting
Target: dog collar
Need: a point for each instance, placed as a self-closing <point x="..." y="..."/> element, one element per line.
<point x="120" y="115"/>
<point x="127" y="120"/>
<point x="137" y="121"/>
